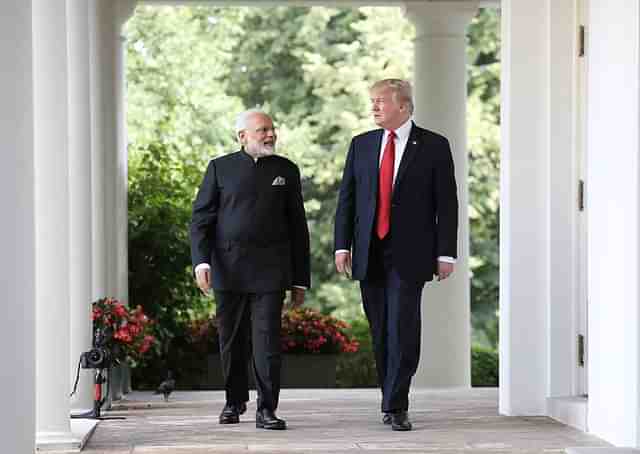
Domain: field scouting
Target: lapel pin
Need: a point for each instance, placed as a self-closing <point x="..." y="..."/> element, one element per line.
<point x="414" y="142"/>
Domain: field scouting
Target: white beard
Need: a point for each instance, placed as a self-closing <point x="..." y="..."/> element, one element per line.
<point x="261" y="151"/>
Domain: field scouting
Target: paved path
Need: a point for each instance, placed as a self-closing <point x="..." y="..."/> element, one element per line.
<point x="330" y="421"/>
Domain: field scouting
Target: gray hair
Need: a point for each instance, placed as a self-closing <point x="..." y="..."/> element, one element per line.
<point x="243" y="118"/>
<point x="401" y="89"/>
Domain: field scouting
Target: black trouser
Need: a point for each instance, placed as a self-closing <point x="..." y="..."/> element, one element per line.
<point x="245" y="320"/>
<point x="393" y="310"/>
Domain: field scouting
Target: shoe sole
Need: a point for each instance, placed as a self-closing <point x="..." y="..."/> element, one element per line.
<point x="233" y="421"/>
<point x="401" y="428"/>
<point x="262" y="426"/>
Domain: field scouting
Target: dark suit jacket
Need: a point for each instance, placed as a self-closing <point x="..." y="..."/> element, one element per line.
<point x="424" y="207"/>
<point x="253" y="232"/>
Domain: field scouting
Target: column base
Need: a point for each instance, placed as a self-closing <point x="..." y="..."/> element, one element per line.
<point x="569" y="410"/>
<point x="74" y="441"/>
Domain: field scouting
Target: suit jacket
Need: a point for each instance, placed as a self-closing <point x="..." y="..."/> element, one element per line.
<point x="249" y="223"/>
<point x="424" y="206"/>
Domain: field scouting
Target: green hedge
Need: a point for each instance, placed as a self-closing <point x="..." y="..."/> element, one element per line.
<point x="357" y="370"/>
<point x="354" y="370"/>
<point x="484" y="366"/>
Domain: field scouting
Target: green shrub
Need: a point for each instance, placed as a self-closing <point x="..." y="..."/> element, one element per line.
<point x="358" y="370"/>
<point x="484" y="366"/>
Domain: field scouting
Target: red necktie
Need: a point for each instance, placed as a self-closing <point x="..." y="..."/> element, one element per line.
<point x="385" y="185"/>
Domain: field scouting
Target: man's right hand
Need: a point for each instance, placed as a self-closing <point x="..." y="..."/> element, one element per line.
<point x="343" y="263"/>
<point x="203" y="279"/>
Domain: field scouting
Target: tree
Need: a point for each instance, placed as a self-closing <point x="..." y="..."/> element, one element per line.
<point x="483" y="116"/>
<point x="192" y="70"/>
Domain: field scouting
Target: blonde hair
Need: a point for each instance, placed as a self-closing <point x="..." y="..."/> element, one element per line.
<point x="401" y="90"/>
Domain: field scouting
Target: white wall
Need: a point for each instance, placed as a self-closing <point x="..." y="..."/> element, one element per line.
<point x="17" y="230"/>
<point x="613" y="203"/>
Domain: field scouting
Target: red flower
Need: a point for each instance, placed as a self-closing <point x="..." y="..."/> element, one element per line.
<point x="123" y="335"/>
<point x="130" y="327"/>
<point x="307" y="330"/>
<point x="119" y="310"/>
<point x="96" y="314"/>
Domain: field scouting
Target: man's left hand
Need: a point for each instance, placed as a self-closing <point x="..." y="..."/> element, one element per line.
<point x="444" y="270"/>
<point x="297" y="297"/>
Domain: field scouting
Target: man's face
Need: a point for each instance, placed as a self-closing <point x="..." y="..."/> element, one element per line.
<point x="387" y="112"/>
<point x="259" y="138"/>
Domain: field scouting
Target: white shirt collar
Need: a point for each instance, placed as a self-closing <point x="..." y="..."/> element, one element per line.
<point x="402" y="133"/>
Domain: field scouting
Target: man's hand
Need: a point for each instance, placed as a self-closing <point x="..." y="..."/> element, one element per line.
<point x="297" y="297"/>
<point x="343" y="263"/>
<point x="203" y="279"/>
<point x="444" y="270"/>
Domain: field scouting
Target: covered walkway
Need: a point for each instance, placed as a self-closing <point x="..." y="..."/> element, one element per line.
<point x="331" y="421"/>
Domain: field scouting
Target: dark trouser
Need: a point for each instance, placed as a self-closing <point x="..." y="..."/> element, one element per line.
<point x="393" y="309"/>
<point x="245" y="320"/>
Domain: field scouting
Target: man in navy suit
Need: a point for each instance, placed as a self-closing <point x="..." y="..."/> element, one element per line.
<point x="395" y="228"/>
<point x="250" y="243"/>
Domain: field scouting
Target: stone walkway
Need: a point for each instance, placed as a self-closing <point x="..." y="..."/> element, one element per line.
<point x="330" y="421"/>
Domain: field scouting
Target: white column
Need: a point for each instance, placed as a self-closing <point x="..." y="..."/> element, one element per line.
<point x="110" y="154"/>
<point x="441" y="98"/>
<point x="17" y="231"/>
<point x="80" y="197"/>
<point x="524" y="208"/>
<point x="52" y="223"/>
<point x="98" y="146"/>
<point x="613" y="211"/>
<point x="564" y="215"/>
<point x="124" y="10"/>
<point x="109" y="42"/>
<point x="103" y="138"/>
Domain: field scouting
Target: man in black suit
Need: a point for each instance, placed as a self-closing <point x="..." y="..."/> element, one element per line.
<point x="250" y="242"/>
<point x="395" y="228"/>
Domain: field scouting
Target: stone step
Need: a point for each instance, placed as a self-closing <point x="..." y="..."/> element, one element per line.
<point x="602" y="451"/>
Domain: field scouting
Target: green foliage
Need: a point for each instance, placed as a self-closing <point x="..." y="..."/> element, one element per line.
<point x="484" y="173"/>
<point x="159" y="261"/>
<point x="484" y="366"/>
<point x="357" y="370"/>
<point x="191" y="70"/>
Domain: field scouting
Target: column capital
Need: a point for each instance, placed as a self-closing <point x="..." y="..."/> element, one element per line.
<point x="124" y="11"/>
<point x="440" y="18"/>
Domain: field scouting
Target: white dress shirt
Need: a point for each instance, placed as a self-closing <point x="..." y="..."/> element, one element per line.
<point x="402" y="137"/>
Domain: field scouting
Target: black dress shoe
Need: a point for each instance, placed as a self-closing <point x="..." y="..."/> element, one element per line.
<point x="231" y="413"/>
<point x="400" y="421"/>
<point x="266" y="419"/>
<point x="386" y="418"/>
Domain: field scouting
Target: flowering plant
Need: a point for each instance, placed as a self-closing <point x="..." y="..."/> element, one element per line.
<point x="202" y="335"/>
<point x="127" y="332"/>
<point x="308" y="331"/>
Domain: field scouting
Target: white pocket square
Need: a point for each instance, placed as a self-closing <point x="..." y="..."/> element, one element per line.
<point x="279" y="181"/>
